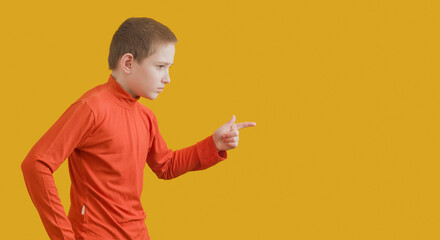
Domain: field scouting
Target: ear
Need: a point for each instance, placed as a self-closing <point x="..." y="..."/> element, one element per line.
<point x="126" y="62"/>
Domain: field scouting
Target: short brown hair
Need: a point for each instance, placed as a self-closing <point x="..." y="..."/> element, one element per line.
<point x="140" y="37"/>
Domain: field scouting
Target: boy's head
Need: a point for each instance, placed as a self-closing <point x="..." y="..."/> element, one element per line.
<point x="140" y="55"/>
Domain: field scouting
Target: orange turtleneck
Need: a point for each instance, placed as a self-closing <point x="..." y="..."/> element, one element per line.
<point x="107" y="136"/>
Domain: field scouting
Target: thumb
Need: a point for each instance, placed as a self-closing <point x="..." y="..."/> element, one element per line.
<point x="232" y="120"/>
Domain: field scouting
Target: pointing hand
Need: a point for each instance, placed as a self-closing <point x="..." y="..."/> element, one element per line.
<point x="226" y="136"/>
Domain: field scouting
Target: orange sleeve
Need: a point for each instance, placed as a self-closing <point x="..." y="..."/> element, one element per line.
<point x="74" y="125"/>
<point x="168" y="164"/>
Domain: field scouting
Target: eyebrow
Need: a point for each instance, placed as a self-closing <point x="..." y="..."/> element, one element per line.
<point x="165" y="63"/>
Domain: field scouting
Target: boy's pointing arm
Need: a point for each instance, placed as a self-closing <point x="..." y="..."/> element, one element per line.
<point x="168" y="164"/>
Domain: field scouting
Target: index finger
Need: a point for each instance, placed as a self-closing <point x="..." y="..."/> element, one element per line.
<point x="245" y="124"/>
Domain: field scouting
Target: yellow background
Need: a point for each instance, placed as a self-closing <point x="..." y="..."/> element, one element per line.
<point x="345" y="95"/>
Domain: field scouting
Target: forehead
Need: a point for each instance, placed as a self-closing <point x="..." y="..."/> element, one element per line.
<point x="164" y="53"/>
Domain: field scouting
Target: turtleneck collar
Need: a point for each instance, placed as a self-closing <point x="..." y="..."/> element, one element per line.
<point x="122" y="97"/>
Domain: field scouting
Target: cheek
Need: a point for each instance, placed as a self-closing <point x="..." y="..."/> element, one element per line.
<point x="155" y="78"/>
<point x="150" y="79"/>
<point x="151" y="74"/>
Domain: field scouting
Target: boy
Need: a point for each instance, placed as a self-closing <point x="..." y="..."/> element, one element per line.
<point x="108" y="136"/>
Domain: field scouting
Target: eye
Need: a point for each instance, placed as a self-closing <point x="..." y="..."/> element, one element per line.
<point x="160" y="66"/>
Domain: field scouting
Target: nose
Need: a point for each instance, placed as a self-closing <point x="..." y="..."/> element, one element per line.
<point x="166" y="78"/>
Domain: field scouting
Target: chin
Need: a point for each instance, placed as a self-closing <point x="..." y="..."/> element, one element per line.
<point x="151" y="96"/>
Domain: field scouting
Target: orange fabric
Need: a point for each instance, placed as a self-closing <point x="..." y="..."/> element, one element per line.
<point x="107" y="136"/>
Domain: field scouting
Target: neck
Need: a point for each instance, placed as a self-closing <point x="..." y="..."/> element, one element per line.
<point x="122" y="81"/>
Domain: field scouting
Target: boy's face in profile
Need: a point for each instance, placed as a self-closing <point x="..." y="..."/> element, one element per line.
<point x="148" y="78"/>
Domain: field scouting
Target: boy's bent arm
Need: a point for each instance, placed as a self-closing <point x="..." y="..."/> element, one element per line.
<point x="168" y="164"/>
<point x="74" y="125"/>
